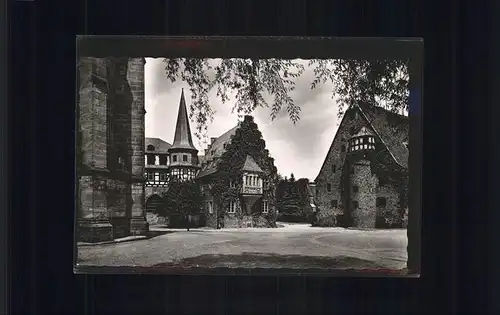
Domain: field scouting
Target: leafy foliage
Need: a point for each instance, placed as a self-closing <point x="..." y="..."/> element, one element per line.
<point x="183" y="197"/>
<point x="383" y="82"/>
<point x="289" y="197"/>
<point x="246" y="141"/>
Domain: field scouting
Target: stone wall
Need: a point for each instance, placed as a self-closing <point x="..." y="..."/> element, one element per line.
<point x="111" y="148"/>
<point x="152" y="190"/>
<point x="331" y="171"/>
<point x="135" y="78"/>
<point x="392" y="210"/>
<point x="365" y="214"/>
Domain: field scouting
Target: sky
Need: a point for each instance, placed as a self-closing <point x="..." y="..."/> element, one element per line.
<point x="299" y="149"/>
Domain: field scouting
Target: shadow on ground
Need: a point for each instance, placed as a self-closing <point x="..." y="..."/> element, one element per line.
<point x="265" y="260"/>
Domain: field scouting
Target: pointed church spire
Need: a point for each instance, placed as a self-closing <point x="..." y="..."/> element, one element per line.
<point x="182" y="137"/>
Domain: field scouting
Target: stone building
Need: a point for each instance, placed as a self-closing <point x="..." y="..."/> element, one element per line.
<point x="363" y="181"/>
<point x="166" y="162"/>
<point x="110" y="149"/>
<point x="253" y="205"/>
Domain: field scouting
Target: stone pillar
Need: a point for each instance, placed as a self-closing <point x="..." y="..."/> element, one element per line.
<point x="93" y="219"/>
<point x="135" y="78"/>
<point x="364" y="216"/>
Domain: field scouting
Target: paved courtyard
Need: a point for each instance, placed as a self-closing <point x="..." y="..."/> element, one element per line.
<point x="290" y="246"/>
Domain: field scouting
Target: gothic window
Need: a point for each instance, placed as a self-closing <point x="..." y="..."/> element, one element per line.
<point x="329" y="187"/>
<point x="265" y="206"/>
<point x="184" y="158"/>
<point x="381" y="202"/>
<point x="334" y="203"/>
<point x="232" y="207"/>
<point x="174" y="158"/>
<point x="151" y="147"/>
<point x="355" y="189"/>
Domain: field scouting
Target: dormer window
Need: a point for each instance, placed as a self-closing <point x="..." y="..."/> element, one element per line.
<point x="151" y="147"/>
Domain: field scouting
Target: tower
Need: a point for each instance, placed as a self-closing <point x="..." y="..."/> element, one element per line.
<point x="361" y="188"/>
<point x="183" y="154"/>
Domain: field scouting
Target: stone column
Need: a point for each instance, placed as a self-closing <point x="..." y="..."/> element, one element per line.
<point x="135" y="78"/>
<point x="93" y="220"/>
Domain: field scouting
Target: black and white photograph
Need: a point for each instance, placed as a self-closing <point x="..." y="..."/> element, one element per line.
<point x="240" y="163"/>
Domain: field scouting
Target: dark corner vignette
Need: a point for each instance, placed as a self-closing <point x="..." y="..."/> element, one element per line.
<point x="127" y="180"/>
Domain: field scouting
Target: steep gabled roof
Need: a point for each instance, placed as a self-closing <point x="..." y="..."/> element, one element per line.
<point x="215" y="151"/>
<point x="160" y="145"/>
<point x="251" y="166"/>
<point x="386" y="124"/>
<point x="182" y="136"/>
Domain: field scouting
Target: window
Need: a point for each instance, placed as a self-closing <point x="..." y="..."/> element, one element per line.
<point x="317" y="192"/>
<point x="352" y="170"/>
<point x="232" y="183"/>
<point x="265" y="206"/>
<point x="210" y="206"/>
<point x="334" y="204"/>
<point x="342" y="149"/>
<point x="163" y="160"/>
<point x="382" y="182"/>
<point x="150" y="159"/>
<point x="355" y="189"/>
<point x="381" y="202"/>
<point x="334" y="168"/>
<point x="151" y="176"/>
<point x="355" y="204"/>
<point x="225" y="145"/>
<point x="329" y="187"/>
<point x="163" y="177"/>
<point x="232" y="207"/>
<point x="157" y="177"/>
<point x="151" y="147"/>
<point x="184" y="157"/>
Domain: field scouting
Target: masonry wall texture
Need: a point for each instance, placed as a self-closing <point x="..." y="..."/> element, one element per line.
<point x="110" y="148"/>
<point x="363" y="214"/>
<point x="365" y="189"/>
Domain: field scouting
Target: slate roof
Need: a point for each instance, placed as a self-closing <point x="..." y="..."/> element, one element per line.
<point x="215" y="151"/>
<point x="160" y="145"/>
<point x="385" y="123"/>
<point x="182" y="136"/>
<point x="251" y="166"/>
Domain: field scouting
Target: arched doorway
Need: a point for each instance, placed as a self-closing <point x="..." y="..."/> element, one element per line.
<point x="155" y="210"/>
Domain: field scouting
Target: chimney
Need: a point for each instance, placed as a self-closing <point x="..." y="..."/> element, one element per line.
<point x="212" y="140"/>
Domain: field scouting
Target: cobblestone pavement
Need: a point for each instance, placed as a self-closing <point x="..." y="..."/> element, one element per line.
<point x="386" y="248"/>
